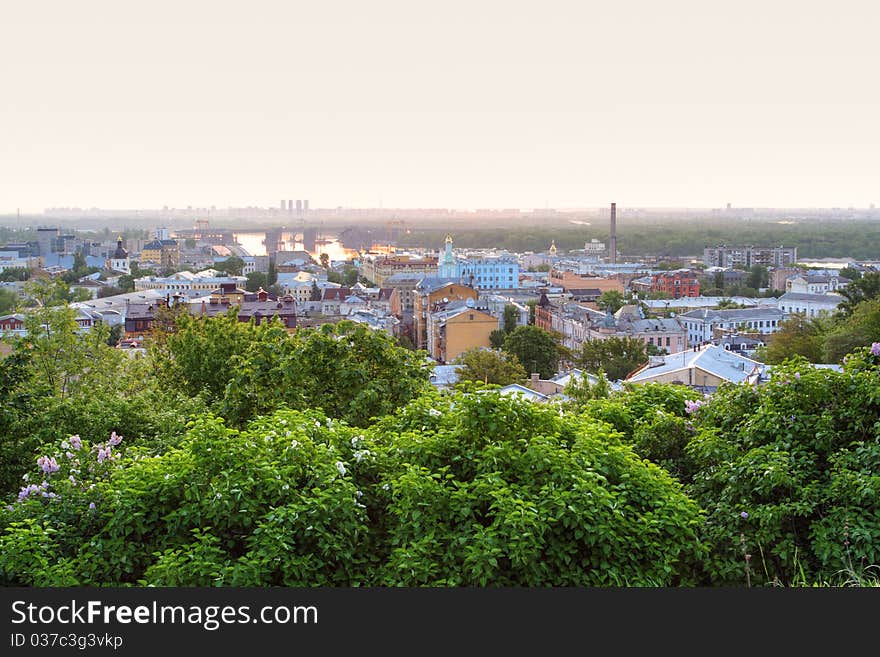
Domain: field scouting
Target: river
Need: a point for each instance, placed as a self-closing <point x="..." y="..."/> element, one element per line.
<point x="253" y="243"/>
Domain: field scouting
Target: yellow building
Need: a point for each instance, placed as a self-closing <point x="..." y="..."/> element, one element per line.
<point x="378" y="270"/>
<point x="456" y="328"/>
<point x="430" y="294"/>
<point x="165" y="253"/>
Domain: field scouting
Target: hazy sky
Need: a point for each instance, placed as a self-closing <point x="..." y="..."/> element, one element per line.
<point x="476" y="103"/>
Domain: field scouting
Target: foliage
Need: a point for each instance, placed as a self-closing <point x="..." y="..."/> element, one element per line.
<point x="580" y="391"/>
<point x="510" y="318"/>
<point x="865" y="288"/>
<point x="489" y="366"/>
<point x="616" y="356"/>
<point x="758" y="277"/>
<point x="851" y="273"/>
<point x="349" y="371"/>
<point x="469" y="489"/>
<point x="8" y="301"/>
<point x="255" y="281"/>
<point x="787" y="473"/>
<point x="109" y="291"/>
<point x="795" y="336"/>
<point x="10" y="274"/>
<point x="611" y="301"/>
<point x="534" y="348"/>
<point x="233" y="265"/>
<point x="496" y="339"/>
<point x="20" y="396"/>
<point x="859" y="329"/>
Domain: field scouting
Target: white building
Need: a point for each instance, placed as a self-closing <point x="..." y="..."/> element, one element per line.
<point x="701" y="324"/>
<point x="119" y="260"/>
<point x="188" y="284"/>
<point x="810" y="305"/>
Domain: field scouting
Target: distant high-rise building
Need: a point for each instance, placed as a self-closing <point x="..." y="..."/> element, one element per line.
<point x="290" y="206"/>
<point x="299" y="206"/>
<point x="47" y="238"/>
<point x="305" y="205"/>
<point x="163" y="234"/>
<point x="282" y="205"/>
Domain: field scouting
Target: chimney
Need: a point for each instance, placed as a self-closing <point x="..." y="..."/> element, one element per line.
<point x="204" y="308"/>
<point x="535" y="378"/>
<point x="612" y="247"/>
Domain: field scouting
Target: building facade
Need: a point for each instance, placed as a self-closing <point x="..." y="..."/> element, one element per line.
<point x="677" y="283"/>
<point x="748" y="256"/>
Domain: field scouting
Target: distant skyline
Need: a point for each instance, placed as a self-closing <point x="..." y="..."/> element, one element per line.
<point x="462" y="104"/>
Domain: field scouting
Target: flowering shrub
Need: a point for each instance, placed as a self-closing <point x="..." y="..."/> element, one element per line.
<point x="465" y="489"/>
<point x="56" y="507"/>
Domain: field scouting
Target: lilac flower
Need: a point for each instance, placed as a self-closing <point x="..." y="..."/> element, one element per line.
<point x="76" y="442"/>
<point x="72" y="479"/>
<point x="692" y="406"/>
<point x="68" y="454"/>
<point x="104" y="454"/>
<point x="340" y="466"/>
<point x="48" y="464"/>
<point x="9" y="507"/>
<point x="27" y="491"/>
<point x="875" y="349"/>
<point x="114" y="439"/>
<point x="797" y="375"/>
<point x="92" y="506"/>
<point x="744" y="515"/>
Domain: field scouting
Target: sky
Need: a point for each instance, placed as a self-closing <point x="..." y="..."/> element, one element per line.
<point x="458" y="104"/>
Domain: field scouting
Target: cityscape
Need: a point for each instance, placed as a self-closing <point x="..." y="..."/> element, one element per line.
<point x="300" y="299"/>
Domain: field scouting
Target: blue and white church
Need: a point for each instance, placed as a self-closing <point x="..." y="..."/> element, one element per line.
<point x="484" y="271"/>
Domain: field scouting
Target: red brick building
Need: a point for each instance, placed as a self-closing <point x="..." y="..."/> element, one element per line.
<point x="677" y="283"/>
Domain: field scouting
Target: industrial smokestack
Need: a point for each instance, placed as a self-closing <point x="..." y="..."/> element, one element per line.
<point x="612" y="247"/>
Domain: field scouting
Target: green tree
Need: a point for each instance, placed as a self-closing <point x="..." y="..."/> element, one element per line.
<point x="126" y="283"/>
<point x="863" y="289"/>
<point x="495" y="367"/>
<point x="851" y="273"/>
<point x="611" y="300"/>
<point x="346" y="369"/>
<point x="580" y="391"/>
<point x="11" y="274"/>
<point x="8" y="301"/>
<point x="496" y="339"/>
<point x="448" y="492"/>
<point x="20" y="398"/>
<point x="531" y="303"/>
<point x="325" y="260"/>
<point x="233" y="265"/>
<point x="786" y="473"/>
<point x="534" y="348"/>
<point x="795" y="336"/>
<point x="49" y="292"/>
<point x="109" y="291"/>
<point x="758" y="277"/>
<point x="618" y="357"/>
<point x="189" y="243"/>
<point x="256" y="280"/>
<point x="860" y="329"/>
<point x="510" y="318"/>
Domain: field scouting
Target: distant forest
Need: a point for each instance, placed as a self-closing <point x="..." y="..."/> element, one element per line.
<point x="813" y="239"/>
